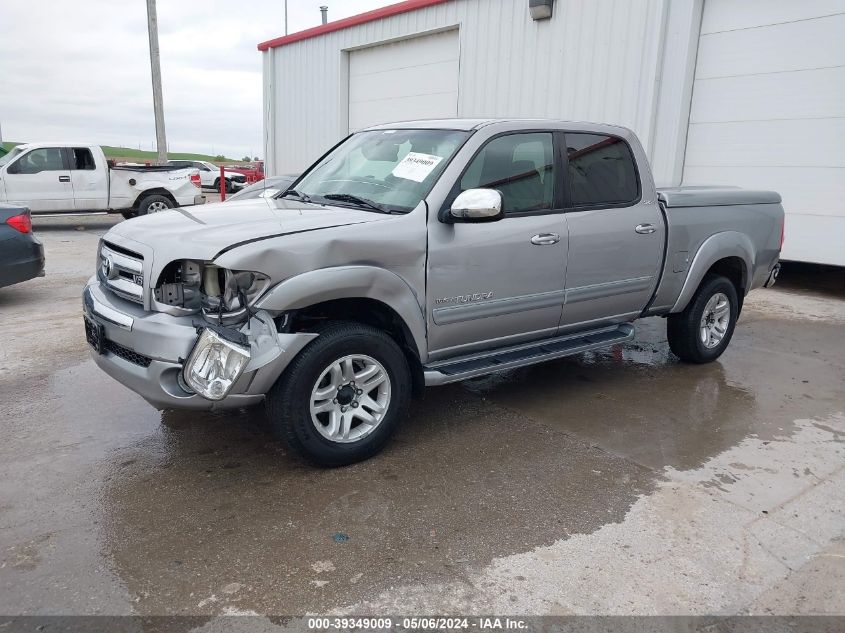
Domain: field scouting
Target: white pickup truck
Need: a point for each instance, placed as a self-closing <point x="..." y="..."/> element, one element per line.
<point x="73" y="177"/>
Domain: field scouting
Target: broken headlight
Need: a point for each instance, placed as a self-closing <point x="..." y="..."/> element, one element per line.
<point x="227" y="293"/>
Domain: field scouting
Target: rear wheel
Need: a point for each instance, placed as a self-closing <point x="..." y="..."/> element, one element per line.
<point x="704" y="329"/>
<point x="342" y="397"/>
<point x="154" y="204"/>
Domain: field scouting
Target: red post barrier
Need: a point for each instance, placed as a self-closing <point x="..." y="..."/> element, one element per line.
<point x="222" y="184"/>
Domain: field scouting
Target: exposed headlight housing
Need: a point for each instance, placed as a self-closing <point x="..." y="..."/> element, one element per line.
<point x="225" y="293"/>
<point x="214" y="365"/>
<point x="187" y="286"/>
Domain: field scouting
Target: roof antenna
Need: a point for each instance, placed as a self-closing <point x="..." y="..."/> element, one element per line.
<point x="325" y="11"/>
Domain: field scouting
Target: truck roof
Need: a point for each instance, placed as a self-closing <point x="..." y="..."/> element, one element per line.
<point x="55" y="144"/>
<point x="474" y="124"/>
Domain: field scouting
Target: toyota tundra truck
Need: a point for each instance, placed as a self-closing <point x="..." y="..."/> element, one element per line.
<point x="420" y="254"/>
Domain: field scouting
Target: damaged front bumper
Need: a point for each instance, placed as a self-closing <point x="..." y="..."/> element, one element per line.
<point x="147" y="351"/>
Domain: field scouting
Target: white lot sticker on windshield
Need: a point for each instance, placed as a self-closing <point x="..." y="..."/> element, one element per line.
<point x="416" y="166"/>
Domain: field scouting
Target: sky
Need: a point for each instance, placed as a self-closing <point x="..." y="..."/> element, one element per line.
<point x="79" y="70"/>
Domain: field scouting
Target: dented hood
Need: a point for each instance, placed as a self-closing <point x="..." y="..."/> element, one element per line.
<point x="204" y="232"/>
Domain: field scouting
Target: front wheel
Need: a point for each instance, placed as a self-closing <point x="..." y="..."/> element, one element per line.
<point x="342" y="397"/>
<point x="703" y="330"/>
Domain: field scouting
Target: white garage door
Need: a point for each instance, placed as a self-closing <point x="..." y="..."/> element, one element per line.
<point x="409" y="79"/>
<point x="768" y="111"/>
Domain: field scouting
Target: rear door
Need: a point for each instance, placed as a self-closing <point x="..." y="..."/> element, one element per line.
<point x="616" y="233"/>
<point x="90" y="181"/>
<point x="40" y="179"/>
<point x="495" y="283"/>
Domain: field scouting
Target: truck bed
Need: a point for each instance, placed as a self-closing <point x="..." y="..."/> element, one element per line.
<point x="704" y="196"/>
<point x="746" y="219"/>
<point x="145" y="167"/>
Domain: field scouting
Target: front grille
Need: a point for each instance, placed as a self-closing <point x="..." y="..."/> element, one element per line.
<point x="127" y="354"/>
<point x="121" y="271"/>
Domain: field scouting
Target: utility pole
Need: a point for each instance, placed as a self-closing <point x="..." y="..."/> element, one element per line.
<point x="155" y="68"/>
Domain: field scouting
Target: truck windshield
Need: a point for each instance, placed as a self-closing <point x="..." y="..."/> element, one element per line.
<point x="387" y="170"/>
<point x="7" y="157"/>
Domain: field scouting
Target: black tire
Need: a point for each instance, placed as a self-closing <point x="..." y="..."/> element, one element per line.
<point x="684" y="328"/>
<point x="230" y="188"/>
<point x="150" y="204"/>
<point x="288" y="402"/>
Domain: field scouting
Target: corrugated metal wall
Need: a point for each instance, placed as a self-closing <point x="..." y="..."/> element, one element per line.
<point x="596" y="60"/>
<point x="782" y="64"/>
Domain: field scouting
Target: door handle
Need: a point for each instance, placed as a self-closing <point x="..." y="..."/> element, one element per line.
<point x="64" y="178"/>
<point x="542" y="239"/>
<point x="645" y="229"/>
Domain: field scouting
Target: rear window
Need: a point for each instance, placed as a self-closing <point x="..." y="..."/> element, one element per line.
<point x="602" y="171"/>
<point x="82" y="158"/>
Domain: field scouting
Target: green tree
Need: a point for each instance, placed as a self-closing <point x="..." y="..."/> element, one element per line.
<point x="219" y="158"/>
<point x="245" y="159"/>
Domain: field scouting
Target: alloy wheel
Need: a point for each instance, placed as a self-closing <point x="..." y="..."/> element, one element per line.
<point x="715" y="320"/>
<point x="350" y="398"/>
<point x="155" y="207"/>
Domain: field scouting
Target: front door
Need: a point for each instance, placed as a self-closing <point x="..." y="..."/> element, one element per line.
<point x="40" y="179"/>
<point x="495" y="283"/>
<point x="616" y="234"/>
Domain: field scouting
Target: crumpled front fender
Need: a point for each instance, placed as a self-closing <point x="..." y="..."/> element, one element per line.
<point x="350" y="282"/>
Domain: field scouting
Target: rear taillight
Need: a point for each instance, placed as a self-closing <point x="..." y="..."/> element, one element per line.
<point x="22" y="222"/>
<point x="195" y="180"/>
<point x="782" y="232"/>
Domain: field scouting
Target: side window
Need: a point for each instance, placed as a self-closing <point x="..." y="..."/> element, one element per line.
<point x="601" y="170"/>
<point x="82" y="158"/>
<point x="38" y="160"/>
<point x="521" y="166"/>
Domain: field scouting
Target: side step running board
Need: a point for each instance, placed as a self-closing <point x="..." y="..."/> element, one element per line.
<point x="453" y="370"/>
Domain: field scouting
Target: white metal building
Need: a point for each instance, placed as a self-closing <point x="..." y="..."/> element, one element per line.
<point x="737" y="92"/>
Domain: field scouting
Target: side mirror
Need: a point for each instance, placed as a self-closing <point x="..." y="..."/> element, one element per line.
<point x="477" y="205"/>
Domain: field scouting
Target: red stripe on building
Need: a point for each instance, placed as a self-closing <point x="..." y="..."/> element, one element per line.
<point x="355" y="20"/>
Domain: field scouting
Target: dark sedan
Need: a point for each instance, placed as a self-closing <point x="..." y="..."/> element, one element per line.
<point x="21" y="254"/>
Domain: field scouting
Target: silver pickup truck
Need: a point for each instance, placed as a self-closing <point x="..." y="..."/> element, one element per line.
<point x="419" y="254"/>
